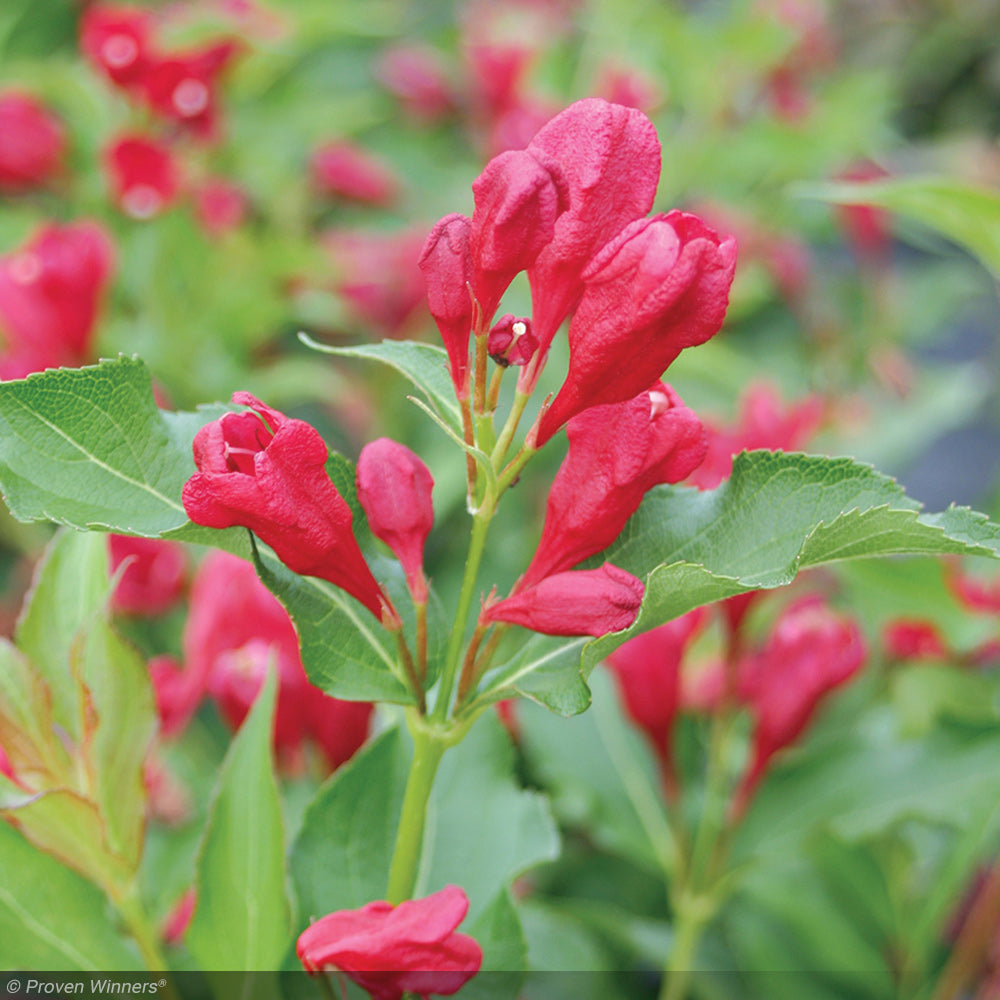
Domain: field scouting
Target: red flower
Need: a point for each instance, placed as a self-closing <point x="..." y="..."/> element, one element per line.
<point x="616" y="453"/>
<point x="178" y="692"/>
<point x="519" y="197"/>
<point x="32" y="143"/>
<point x="344" y="170"/>
<point x="810" y="652"/>
<point x="415" y="76"/>
<point x="394" y="489"/>
<point x="610" y="156"/>
<point x="265" y="472"/>
<point x="391" y="950"/>
<point x="659" y="286"/>
<point x="49" y="294"/>
<point x="144" y="175"/>
<point x="117" y="41"/>
<point x="913" y="639"/>
<point x="512" y="341"/>
<point x="974" y="593"/>
<point x="446" y="263"/>
<point x="176" y="923"/>
<point x="868" y="228"/>
<point x="220" y="206"/>
<point x="578" y="602"/>
<point x="153" y="578"/>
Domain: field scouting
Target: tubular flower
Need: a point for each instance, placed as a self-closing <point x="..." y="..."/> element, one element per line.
<point x="50" y="291"/>
<point x="578" y="602"/>
<point x="511" y="341"/>
<point x="144" y="175"/>
<point x="344" y="170"/>
<point x="265" y="472"/>
<point x="610" y="156"/>
<point x="446" y="263"/>
<point x="391" y="950"/>
<point x="394" y="489"/>
<point x="616" y="453"/>
<point x="32" y="143"/>
<point x="519" y="197"/>
<point x="659" y="286"/>
<point x="117" y="41"/>
<point x="153" y="577"/>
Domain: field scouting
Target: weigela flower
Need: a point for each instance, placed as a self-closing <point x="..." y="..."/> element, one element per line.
<point x="913" y="639"/>
<point x="512" y="341"/>
<point x="616" y="453"/>
<point x="145" y="177"/>
<point x="345" y="170"/>
<point x="647" y="672"/>
<point x="415" y="76"/>
<point x="446" y="263"/>
<point x="578" y="602"/>
<point x="975" y="593"/>
<point x="117" y="40"/>
<point x="395" y="492"/>
<point x="153" y="577"/>
<point x="32" y="143"/>
<point x="662" y="284"/>
<point x="519" y="196"/>
<point x="178" y="691"/>
<point x="263" y="471"/>
<point x="220" y="206"/>
<point x="391" y="950"/>
<point x="236" y="631"/>
<point x="809" y="653"/>
<point x="50" y="290"/>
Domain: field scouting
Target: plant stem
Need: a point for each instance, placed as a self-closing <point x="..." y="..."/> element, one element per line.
<point x="509" y="429"/>
<point x="427" y="753"/>
<point x="132" y="912"/>
<point x="693" y="912"/>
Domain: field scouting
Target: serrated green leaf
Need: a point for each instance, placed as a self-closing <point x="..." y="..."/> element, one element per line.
<point x="777" y="514"/>
<point x="242" y="918"/>
<point x="963" y="212"/>
<point x="51" y="918"/>
<point x="425" y="365"/>
<point x="71" y="584"/>
<point x="120" y="723"/>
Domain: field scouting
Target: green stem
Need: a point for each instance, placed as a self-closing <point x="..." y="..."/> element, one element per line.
<point x="509" y="429"/>
<point x="480" y="527"/>
<point x="132" y="912"/>
<point x="427" y="753"/>
<point x="693" y="912"/>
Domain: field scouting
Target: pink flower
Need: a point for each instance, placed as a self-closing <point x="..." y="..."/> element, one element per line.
<point x="117" y="41"/>
<point x="616" y="453"/>
<point x="179" y="918"/>
<point x="810" y="652"/>
<point x="394" y="489"/>
<point x="265" y="472"/>
<point x="32" y="143"/>
<point x="415" y="76"/>
<point x="391" y="950"/>
<point x="764" y="421"/>
<point x="974" y="593"/>
<point x="647" y="670"/>
<point x="220" y="206"/>
<point x="345" y="170"/>
<point x="446" y="263"/>
<point x="578" y="602"/>
<point x="610" y="156"/>
<point x="519" y="196"/>
<point x="153" y="577"/>
<point x="913" y="639"/>
<point x="50" y="291"/>
<point x="178" y="692"/>
<point x="512" y="341"/>
<point x="144" y="175"/>
<point x="6" y="768"/>
<point x="662" y="284"/>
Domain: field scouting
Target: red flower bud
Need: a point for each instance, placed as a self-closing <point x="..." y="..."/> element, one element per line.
<point x="415" y="75"/>
<point x="265" y="472"/>
<point x="391" y="950"/>
<point x="153" y="578"/>
<point x="394" y="488"/>
<point x="579" y="602"/>
<point x="519" y="197"/>
<point x="511" y="341"/>
<point x="659" y="286"/>
<point x="220" y="206"/>
<point x="144" y="175"/>
<point x="810" y="652"/>
<point x="50" y="290"/>
<point x="616" y="453"/>
<point x="610" y="156"/>
<point x="913" y="639"/>
<point x="446" y="262"/>
<point x="117" y="41"/>
<point x="32" y="143"/>
<point x="344" y="170"/>
<point x="178" y="693"/>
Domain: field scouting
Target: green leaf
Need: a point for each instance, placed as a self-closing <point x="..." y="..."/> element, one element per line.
<point x="71" y="584"/>
<point x="777" y="514"/>
<point x="120" y="723"/>
<point x="424" y="365"/>
<point x="51" y="918"/>
<point x="497" y="930"/>
<point x="342" y="855"/>
<point x="965" y="213"/>
<point x="242" y="919"/>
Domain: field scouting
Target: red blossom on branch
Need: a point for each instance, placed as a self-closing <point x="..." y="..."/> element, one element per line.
<point x="391" y="950"/>
<point x="117" y="40"/>
<point x="145" y="177"/>
<point x="153" y="576"/>
<point x="345" y="170"/>
<point x="32" y="143"/>
<point x="263" y="471"/>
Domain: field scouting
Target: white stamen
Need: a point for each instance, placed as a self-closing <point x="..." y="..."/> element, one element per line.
<point x="518" y="328"/>
<point x="119" y="51"/>
<point x="659" y="402"/>
<point x="190" y="97"/>
<point x="26" y="268"/>
<point x="142" y="201"/>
